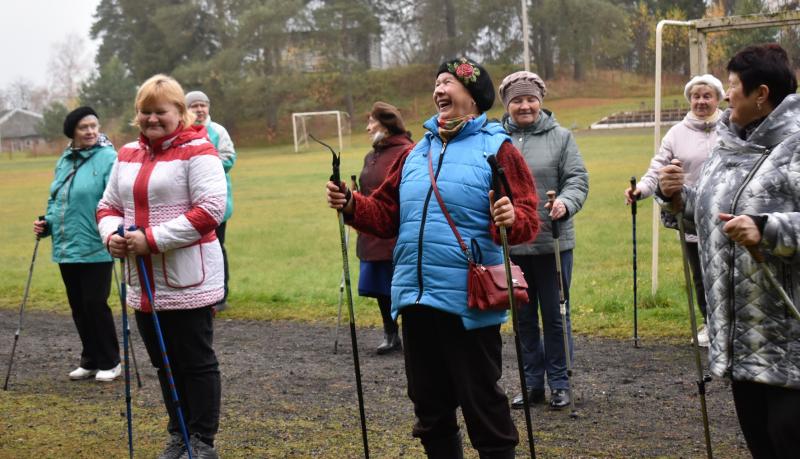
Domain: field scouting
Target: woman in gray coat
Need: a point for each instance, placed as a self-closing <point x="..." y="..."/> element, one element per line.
<point x="556" y="164"/>
<point x="746" y="205"/>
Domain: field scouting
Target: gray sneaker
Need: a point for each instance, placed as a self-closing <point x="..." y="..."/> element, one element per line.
<point x="200" y="449"/>
<point x="175" y="447"/>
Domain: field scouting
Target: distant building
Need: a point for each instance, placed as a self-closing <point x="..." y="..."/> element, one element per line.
<point x="19" y="131"/>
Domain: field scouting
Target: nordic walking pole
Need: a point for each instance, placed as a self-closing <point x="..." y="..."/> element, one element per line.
<point x="336" y="178"/>
<point x="354" y="185"/>
<point x="562" y="305"/>
<point x="635" y="298"/>
<point x="760" y="261"/>
<point x="127" y="330"/>
<point x="22" y="307"/>
<point x="128" y="408"/>
<point x="167" y="369"/>
<point x="702" y="379"/>
<point x="499" y="177"/>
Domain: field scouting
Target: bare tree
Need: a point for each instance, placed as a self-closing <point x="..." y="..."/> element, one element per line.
<point x="70" y="63"/>
<point x="19" y="93"/>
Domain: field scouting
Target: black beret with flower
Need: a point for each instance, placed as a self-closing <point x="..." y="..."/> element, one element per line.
<point x="474" y="77"/>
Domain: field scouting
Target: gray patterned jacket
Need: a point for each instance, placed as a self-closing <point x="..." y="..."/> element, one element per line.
<point x="753" y="337"/>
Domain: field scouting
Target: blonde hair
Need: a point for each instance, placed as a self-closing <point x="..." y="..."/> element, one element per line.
<point x="162" y="88"/>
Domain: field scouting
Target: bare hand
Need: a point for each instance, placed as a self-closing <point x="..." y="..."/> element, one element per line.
<point x="741" y="229"/>
<point x="39" y="227"/>
<point x="502" y="210"/>
<point x="557" y="209"/>
<point x="136" y="242"/>
<point x="117" y="246"/>
<point x="632" y="195"/>
<point x="337" y="198"/>
<point x="671" y="178"/>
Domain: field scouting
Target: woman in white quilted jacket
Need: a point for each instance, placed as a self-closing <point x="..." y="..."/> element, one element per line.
<point x="171" y="186"/>
<point x="690" y="142"/>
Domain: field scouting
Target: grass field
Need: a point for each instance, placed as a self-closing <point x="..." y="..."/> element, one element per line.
<point x="283" y="241"/>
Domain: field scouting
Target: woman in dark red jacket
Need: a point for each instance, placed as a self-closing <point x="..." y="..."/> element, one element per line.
<point x="389" y="140"/>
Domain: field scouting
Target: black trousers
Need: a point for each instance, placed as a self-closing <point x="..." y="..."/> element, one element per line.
<point x="447" y="367"/>
<point x="697" y="278"/>
<point x="385" y="305"/>
<point x="188" y="336"/>
<point x="769" y="417"/>
<point x="88" y="286"/>
<point x="221" y="237"/>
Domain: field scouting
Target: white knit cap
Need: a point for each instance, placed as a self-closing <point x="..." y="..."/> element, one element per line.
<point x="194" y="96"/>
<point x="707" y="79"/>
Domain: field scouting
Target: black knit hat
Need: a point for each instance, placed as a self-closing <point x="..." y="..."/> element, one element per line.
<point x="474" y="77"/>
<point x="74" y="117"/>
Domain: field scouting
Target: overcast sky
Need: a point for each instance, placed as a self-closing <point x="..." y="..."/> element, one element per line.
<point x="30" y="28"/>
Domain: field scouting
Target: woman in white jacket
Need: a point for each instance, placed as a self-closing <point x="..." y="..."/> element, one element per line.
<point x="170" y="184"/>
<point x="689" y="141"/>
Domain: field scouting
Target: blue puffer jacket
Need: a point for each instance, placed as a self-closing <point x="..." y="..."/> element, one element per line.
<point x="430" y="268"/>
<point x="80" y="179"/>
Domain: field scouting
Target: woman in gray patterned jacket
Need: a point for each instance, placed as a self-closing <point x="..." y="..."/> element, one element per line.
<point x="748" y="197"/>
<point x="556" y="164"/>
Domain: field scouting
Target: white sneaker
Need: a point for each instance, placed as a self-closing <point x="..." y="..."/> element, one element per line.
<point x="702" y="337"/>
<point x="109" y="375"/>
<point x="81" y="373"/>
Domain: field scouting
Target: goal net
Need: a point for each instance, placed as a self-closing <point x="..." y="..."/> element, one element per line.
<point x="320" y="124"/>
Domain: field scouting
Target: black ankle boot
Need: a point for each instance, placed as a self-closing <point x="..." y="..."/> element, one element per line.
<point x="391" y="342"/>
<point x="445" y="448"/>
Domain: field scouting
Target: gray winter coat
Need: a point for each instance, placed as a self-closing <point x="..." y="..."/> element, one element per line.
<point x="556" y="164"/>
<point x="753" y="337"/>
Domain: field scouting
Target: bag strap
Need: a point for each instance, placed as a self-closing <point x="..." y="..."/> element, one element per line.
<point x="75" y="166"/>
<point x="464" y="247"/>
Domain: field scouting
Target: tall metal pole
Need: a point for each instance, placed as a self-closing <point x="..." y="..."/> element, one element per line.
<point x="657" y="143"/>
<point x="526" y="56"/>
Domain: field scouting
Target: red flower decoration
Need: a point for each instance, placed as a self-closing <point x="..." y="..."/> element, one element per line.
<point x="464" y="71"/>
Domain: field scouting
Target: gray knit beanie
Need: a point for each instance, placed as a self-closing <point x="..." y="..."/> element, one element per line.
<point x="522" y="83"/>
<point x="195" y="96"/>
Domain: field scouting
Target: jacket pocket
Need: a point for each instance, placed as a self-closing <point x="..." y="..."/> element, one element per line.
<point x="184" y="267"/>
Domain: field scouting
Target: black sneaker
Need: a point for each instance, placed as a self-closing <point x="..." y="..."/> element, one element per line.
<point x="535" y="397"/>
<point x="175" y="447"/>
<point x="559" y="398"/>
<point x="200" y="449"/>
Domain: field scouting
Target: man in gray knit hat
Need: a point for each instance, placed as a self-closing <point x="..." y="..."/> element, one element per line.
<point x="199" y="103"/>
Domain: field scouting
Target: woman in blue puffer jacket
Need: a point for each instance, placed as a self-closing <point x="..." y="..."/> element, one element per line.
<point x="80" y="178"/>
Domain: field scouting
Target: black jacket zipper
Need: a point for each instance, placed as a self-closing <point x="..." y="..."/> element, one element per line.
<point x="422" y="222"/>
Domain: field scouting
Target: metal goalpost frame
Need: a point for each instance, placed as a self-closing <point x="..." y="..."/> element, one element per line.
<point x="698" y="64"/>
<point x="302" y="116"/>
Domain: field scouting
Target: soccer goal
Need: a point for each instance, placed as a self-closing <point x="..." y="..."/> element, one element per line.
<point x="319" y="124"/>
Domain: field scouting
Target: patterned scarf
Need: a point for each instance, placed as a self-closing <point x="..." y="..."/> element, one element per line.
<point x="451" y="127"/>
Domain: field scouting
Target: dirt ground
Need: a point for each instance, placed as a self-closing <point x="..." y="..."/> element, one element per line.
<point x="286" y="394"/>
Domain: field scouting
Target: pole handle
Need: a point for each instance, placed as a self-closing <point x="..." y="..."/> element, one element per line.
<point x="499" y="180"/>
<point x="755" y="253"/>
<point x="633" y="195"/>
<point x="551" y="198"/>
<point x="41" y="219"/>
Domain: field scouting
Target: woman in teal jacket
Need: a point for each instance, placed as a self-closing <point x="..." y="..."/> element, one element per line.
<point x="80" y="178"/>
